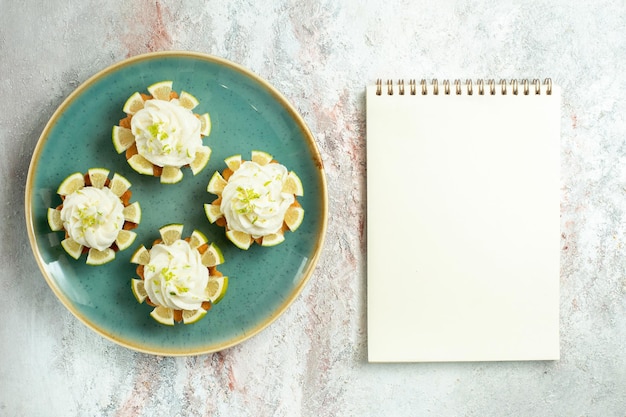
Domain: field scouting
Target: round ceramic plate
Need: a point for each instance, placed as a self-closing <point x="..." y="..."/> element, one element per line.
<point x="247" y="114"/>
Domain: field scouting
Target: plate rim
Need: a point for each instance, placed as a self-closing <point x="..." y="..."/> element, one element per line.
<point x="310" y="142"/>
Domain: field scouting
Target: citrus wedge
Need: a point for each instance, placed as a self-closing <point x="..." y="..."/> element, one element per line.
<point x="72" y="247"/>
<point x="187" y="100"/>
<point x="98" y="176"/>
<point x="132" y="213"/>
<point x="141" y="256"/>
<point x="73" y="182"/>
<point x="54" y="220"/>
<point x="192" y="316"/>
<point x="171" y="175"/>
<point x="139" y="290"/>
<point x="99" y="257"/>
<point x="216" y="184"/>
<point x="205" y="124"/>
<point x="294" y="217"/>
<point x="123" y="138"/>
<point x="213" y="256"/>
<point x="171" y="233"/>
<point x="233" y="162"/>
<point x="161" y="90"/>
<point x="261" y="158"/>
<point x="119" y="184"/>
<point x="125" y="238"/>
<point x="141" y="164"/>
<point x="216" y="289"/>
<point x="163" y="315"/>
<point x="240" y="239"/>
<point x="273" y="239"/>
<point x="213" y="212"/>
<point x="293" y="185"/>
<point x="203" y="155"/>
<point x="133" y="104"/>
<point x="197" y="239"/>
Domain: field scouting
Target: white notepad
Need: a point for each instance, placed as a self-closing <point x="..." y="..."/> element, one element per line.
<point x="463" y="230"/>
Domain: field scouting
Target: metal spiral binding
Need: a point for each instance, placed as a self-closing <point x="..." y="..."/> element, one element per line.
<point x="506" y="87"/>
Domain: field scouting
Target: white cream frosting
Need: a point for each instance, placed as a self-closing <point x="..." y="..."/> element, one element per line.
<point x="175" y="276"/>
<point x="253" y="201"/>
<point x="93" y="216"/>
<point x="166" y="133"/>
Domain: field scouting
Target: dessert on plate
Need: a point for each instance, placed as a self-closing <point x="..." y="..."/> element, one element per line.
<point x="257" y="200"/>
<point x="160" y="133"/>
<point x="179" y="277"/>
<point x="96" y="215"/>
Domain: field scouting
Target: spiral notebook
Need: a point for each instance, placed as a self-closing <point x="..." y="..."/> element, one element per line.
<point x="463" y="229"/>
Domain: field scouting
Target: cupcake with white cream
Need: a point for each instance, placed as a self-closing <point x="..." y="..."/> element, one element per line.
<point x="257" y="200"/>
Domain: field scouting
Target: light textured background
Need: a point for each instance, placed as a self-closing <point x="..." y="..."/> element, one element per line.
<point x="320" y="54"/>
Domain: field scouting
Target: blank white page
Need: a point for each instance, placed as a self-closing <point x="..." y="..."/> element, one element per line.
<point x="463" y="237"/>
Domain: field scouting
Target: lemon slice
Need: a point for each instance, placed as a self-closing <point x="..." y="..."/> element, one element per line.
<point x="119" y="184"/>
<point x="123" y="138"/>
<point x="216" y="289"/>
<point x="233" y="162"/>
<point x="171" y="175"/>
<point x="132" y="213"/>
<point x="273" y="239"/>
<point x="240" y="239"/>
<point x="187" y="100"/>
<point x="171" y="233"/>
<point x="216" y="184"/>
<point x="141" y="256"/>
<point x="124" y="239"/>
<point x="133" y="104"/>
<point x="73" y="182"/>
<point x="213" y="212"/>
<point x="161" y="90"/>
<point x="99" y="257"/>
<point x="54" y="220"/>
<point x="294" y="217"/>
<point x="98" y="176"/>
<point x="261" y="158"/>
<point x="192" y="316"/>
<point x="213" y="256"/>
<point x="201" y="160"/>
<point x="293" y="185"/>
<point x="139" y="289"/>
<point x="205" y="124"/>
<point x="141" y="164"/>
<point x="163" y="315"/>
<point x="197" y="239"/>
<point x="72" y="247"/>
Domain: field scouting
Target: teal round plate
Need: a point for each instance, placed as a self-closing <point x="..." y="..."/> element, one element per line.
<point x="247" y="114"/>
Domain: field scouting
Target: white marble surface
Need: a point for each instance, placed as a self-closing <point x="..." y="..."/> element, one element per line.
<point x="320" y="54"/>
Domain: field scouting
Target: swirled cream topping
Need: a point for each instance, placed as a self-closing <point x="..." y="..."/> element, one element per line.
<point x="253" y="201"/>
<point x="166" y="133"/>
<point x="93" y="216"/>
<point x="175" y="276"/>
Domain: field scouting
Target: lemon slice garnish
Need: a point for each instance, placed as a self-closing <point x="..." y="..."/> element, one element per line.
<point x="141" y="256"/>
<point x="72" y="183"/>
<point x="213" y="212"/>
<point x="171" y="175"/>
<point x="133" y="104"/>
<point x="233" y="162"/>
<point x="72" y="247"/>
<point x="123" y="138"/>
<point x="124" y="239"/>
<point x="98" y="176"/>
<point x="213" y="256"/>
<point x="54" y="220"/>
<point x="197" y="239"/>
<point x="293" y="185"/>
<point x="294" y="217"/>
<point x="187" y="100"/>
<point x="163" y="315"/>
<point x="99" y="257"/>
<point x="161" y="90"/>
<point x="240" y="239"/>
<point x="216" y="184"/>
<point x="119" y="184"/>
<point x="272" y="239"/>
<point x="171" y="233"/>
<point x="201" y="160"/>
<point x="139" y="289"/>
<point x="261" y="158"/>
<point x="132" y="213"/>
